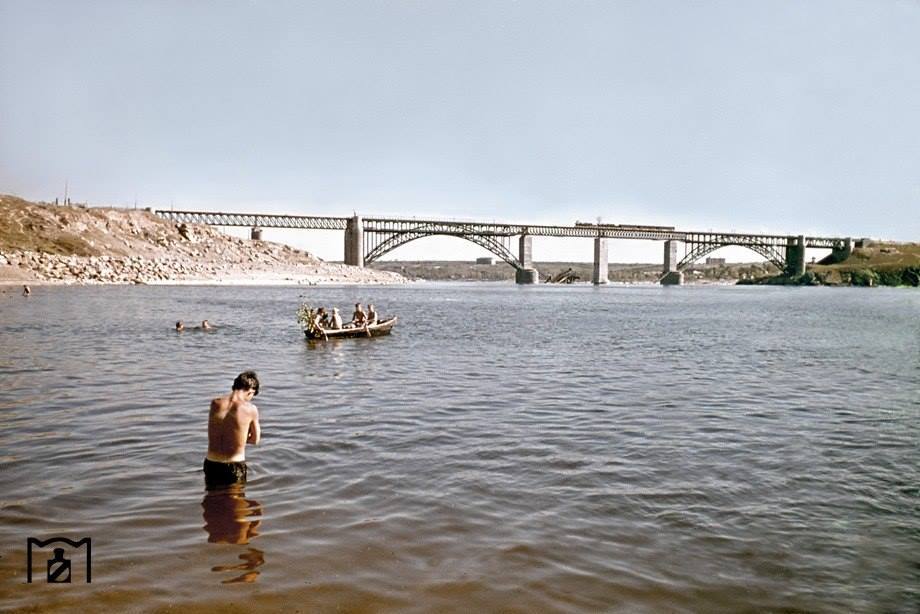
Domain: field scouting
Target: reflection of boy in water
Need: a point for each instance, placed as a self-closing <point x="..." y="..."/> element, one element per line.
<point x="233" y="422"/>
<point x="231" y="518"/>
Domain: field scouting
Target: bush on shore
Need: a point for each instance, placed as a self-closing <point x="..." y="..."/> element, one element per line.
<point x="868" y="278"/>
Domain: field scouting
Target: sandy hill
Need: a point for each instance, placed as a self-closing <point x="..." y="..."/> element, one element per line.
<point x="71" y="244"/>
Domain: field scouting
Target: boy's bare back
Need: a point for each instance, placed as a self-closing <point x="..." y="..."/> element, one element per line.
<point x="232" y="423"/>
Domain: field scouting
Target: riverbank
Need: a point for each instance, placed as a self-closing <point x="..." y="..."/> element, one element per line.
<point x="872" y="263"/>
<point x="41" y="243"/>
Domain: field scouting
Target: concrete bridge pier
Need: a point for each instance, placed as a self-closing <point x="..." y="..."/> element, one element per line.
<point x="795" y="256"/>
<point x="841" y="251"/>
<point x="354" y="241"/>
<point x="255" y="234"/>
<point x="527" y="274"/>
<point x="844" y="251"/>
<point x="670" y="276"/>
<point x="601" y="266"/>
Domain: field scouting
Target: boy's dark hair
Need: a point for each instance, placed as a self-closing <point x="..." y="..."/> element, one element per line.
<point x="247" y="380"/>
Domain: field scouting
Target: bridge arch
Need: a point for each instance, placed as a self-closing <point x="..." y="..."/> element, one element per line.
<point x="381" y="243"/>
<point x="700" y="250"/>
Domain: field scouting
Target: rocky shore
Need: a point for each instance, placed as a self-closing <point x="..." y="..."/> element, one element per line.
<point x="43" y="243"/>
<point x="872" y="263"/>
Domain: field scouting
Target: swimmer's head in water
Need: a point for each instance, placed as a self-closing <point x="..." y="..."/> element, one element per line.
<point x="247" y="380"/>
<point x="179" y="325"/>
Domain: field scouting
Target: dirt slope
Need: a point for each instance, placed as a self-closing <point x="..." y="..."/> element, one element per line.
<point x="40" y="242"/>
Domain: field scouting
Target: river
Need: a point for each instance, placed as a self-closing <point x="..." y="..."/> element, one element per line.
<point x="553" y="449"/>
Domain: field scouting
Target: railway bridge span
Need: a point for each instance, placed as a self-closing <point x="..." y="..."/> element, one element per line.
<point x="367" y="239"/>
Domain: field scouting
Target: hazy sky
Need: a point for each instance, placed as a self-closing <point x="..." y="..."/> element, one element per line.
<point x="798" y="116"/>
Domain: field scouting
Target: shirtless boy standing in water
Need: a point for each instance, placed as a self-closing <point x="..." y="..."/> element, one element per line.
<point x="233" y="422"/>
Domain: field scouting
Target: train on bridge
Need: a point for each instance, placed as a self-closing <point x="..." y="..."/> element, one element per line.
<point x="640" y="227"/>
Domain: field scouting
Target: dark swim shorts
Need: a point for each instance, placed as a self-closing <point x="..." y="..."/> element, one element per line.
<point x="223" y="474"/>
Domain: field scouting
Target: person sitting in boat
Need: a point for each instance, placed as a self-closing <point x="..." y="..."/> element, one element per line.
<point x="371" y="314"/>
<point x="358" y="318"/>
<point x="336" y="319"/>
<point x="320" y="319"/>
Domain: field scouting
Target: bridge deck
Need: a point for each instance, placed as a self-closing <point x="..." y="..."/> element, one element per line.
<point x="465" y="228"/>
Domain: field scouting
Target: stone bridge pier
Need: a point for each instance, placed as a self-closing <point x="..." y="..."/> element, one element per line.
<point x="795" y="256"/>
<point x="841" y="251"/>
<point x="527" y="274"/>
<point x="354" y="241"/>
<point x="601" y="271"/>
<point x="670" y="276"/>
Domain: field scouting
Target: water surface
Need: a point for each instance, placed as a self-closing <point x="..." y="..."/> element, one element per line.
<point x="636" y="449"/>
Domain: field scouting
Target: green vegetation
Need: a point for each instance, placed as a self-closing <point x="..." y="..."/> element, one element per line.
<point x="873" y="263"/>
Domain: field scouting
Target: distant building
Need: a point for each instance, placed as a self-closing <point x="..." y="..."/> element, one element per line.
<point x="485" y="260"/>
<point x="715" y="261"/>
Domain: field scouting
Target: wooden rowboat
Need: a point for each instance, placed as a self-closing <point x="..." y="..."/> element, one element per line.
<point x="383" y="327"/>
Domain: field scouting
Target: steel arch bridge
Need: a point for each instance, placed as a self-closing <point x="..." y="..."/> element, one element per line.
<point x="378" y="236"/>
<point x="377" y="243"/>
<point x="698" y="245"/>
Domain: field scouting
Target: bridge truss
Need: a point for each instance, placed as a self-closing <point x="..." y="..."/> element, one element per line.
<point x="380" y="239"/>
<point x="383" y="235"/>
<point x="771" y="247"/>
<point x="698" y="245"/>
<point x="256" y="220"/>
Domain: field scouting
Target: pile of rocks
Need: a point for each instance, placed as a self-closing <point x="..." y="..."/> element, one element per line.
<point x="103" y="245"/>
<point x="109" y="269"/>
<point x="210" y="264"/>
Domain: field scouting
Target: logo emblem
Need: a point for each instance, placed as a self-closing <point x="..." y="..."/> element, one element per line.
<point x="59" y="569"/>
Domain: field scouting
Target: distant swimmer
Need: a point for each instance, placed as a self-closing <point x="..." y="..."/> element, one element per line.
<point x="205" y="325"/>
<point x="233" y="422"/>
<point x="26" y="290"/>
<point x="180" y="326"/>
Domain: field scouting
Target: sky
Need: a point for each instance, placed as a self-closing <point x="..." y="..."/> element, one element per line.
<point x="792" y="117"/>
